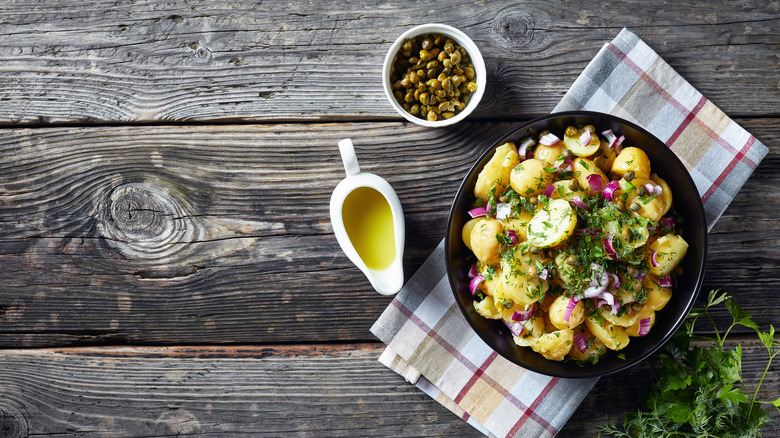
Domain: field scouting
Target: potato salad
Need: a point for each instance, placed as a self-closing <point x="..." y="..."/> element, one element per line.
<point x="576" y="243"/>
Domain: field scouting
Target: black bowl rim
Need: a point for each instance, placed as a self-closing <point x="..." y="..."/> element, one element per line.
<point x="585" y="371"/>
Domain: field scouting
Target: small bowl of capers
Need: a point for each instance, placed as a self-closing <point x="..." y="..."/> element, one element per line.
<point x="434" y="75"/>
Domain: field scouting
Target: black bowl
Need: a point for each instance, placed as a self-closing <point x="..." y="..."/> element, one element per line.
<point x="687" y="203"/>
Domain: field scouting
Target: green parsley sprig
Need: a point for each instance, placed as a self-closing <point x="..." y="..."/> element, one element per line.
<point x="700" y="392"/>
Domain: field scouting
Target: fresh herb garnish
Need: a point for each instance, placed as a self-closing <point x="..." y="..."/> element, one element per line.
<point x="700" y="392"/>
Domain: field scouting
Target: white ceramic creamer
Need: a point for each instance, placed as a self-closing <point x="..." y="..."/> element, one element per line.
<point x="369" y="224"/>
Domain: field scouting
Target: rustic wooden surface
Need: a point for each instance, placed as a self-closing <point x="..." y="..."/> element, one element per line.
<point x="167" y="265"/>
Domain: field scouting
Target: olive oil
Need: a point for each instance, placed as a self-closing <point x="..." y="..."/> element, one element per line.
<point x="369" y="224"/>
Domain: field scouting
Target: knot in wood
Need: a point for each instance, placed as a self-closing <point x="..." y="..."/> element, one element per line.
<point x="12" y="423"/>
<point x="145" y="221"/>
<point x="514" y="28"/>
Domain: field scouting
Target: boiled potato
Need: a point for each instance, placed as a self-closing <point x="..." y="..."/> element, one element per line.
<point x="467" y="228"/>
<point x="630" y="236"/>
<point x="571" y="139"/>
<point x="555" y="345"/>
<point x="666" y="194"/>
<point x="613" y="336"/>
<point x="519" y="224"/>
<point x="594" y="348"/>
<point x="604" y="157"/>
<point x="491" y="285"/>
<point x="631" y="158"/>
<point x="552" y="224"/>
<point x="483" y="240"/>
<point x="558" y="312"/>
<point x="530" y="178"/>
<point x="671" y="249"/>
<point x="496" y="171"/>
<point x="625" y="320"/>
<point x="549" y="154"/>
<point x="657" y="296"/>
<point x="487" y="308"/>
<point x="645" y="312"/>
<point x="534" y="327"/>
<point x="583" y="168"/>
<point x="516" y="285"/>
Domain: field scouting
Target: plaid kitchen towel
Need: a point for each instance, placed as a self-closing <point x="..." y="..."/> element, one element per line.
<point x="430" y="343"/>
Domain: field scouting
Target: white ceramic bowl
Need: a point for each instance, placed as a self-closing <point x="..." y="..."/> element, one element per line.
<point x="463" y="40"/>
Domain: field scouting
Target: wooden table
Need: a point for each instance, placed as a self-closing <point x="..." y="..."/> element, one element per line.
<point x="167" y="264"/>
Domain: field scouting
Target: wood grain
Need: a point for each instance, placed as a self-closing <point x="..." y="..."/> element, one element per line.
<point x="193" y="235"/>
<point x="85" y="62"/>
<point x="303" y="390"/>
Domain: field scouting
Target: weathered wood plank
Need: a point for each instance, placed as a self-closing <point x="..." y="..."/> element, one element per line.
<point x="105" y="61"/>
<point x="171" y="235"/>
<point x="257" y="390"/>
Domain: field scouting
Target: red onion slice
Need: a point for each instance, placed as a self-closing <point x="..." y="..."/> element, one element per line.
<point x="477" y="212"/>
<point x="524" y="315"/>
<point x="581" y="342"/>
<point x="653" y="259"/>
<point x="549" y="139"/>
<point x="566" y="165"/>
<point x="544" y="274"/>
<point x="668" y="222"/>
<point x="610" y="249"/>
<point x="522" y="150"/>
<point x="612" y="301"/>
<point x="474" y="284"/>
<point x="578" y="202"/>
<point x="512" y="237"/>
<point x="610" y="189"/>
<point x="585" y="138"/>
<point x="609" y="136"/>
<point x="644" y="326"/>
<point x="595" y="183"/>
<point x="665" y="281"/>
<point x="653" y="189"/>
<point x="473" y="271"/>
<point x="516" y="328"/>
<point x="549" y="191"/>
<point x="569" y="308"/>
<point x="615" y="282"/>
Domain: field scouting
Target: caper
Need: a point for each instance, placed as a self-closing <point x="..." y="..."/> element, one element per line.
<point x="425" y="55"/>
<point x="535" y="250"/>
<point x="456" y="57"/>
<point x="449" y="47"/>
<point x="448" y="114"/>
<point x="414" y="78"/>
<point x="574" y="185"/>
<point x="469" y="71"/>
<point x="533" y="200"/>
<point x="456" y="80"/>
<point x="414" y="110"/>
<point x="567" y="154"/>
<point x="635" y="207"/>
<point x="435" y="52"/>
<point x="629" y="176"/>
<point x="442" y="57"/>
<point x="641" y="191"/>
<point x="444" y="106"/>
<point x="437" y="39"/>
<point x="432" y="116"/>
<point x="431" y="73"/>
<point x="571" y="131"/>
<point x="636" y="307"/>
<point x="625" y="233"/>
<point x="409" y="98"/>
<point x="572" y="260"/>
<point x="406" y="82"/>
<point x="472" y="86"/>
<point x="427" y="43"/>
<point x="531" y="272"/>
<point x="434" y="83"/>
<point x="432" y="64"/>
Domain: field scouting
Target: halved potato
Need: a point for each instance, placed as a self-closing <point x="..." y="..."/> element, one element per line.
<point x="671" y="249"/>
<point x="496" y="171"/>
<point x="530" y="178"/>
<point x="552" y="224"/>
<point x="575" y="145"/>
